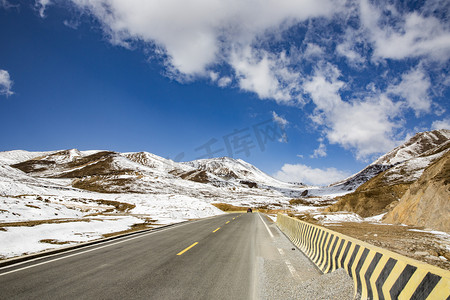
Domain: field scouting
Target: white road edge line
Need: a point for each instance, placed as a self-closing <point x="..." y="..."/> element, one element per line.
<point x="267" y="227"/>
<point x="90" y="250"/>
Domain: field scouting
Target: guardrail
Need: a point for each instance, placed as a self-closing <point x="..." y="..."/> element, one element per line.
<point x="377" y="273"/>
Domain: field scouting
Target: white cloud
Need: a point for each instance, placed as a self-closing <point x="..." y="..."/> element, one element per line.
<point x="308" y="175"/>
<point x="283" y="138"/>
<point x="414" y="88"/>
<point x="6" y="5"/>
<point x="214" y="76"/>
<point x="282" y="122"/>
<point x="195" y="35"/>
<point x="441" y="124"/>
<point x="265" y="74"/>
<point x="71" y="23"/>
<point x="41" y="5"/>
<point x="5" y="83"/>
<point x="224" y="81"/>
<point x="407" y="35"/>
<point x="366" y="125"/>
<point x="347" y="48"/>
<point x="313" y="51"/>
<point x="321" y="151"/>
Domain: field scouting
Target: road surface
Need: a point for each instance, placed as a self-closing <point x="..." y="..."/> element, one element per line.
<point x="214" y="258"/>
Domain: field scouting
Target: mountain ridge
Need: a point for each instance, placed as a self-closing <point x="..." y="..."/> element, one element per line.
<point x="418" y="145"/>
<point x="392" y="174"/>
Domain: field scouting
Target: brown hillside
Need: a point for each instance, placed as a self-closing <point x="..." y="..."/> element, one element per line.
<point x="372" y="198"/>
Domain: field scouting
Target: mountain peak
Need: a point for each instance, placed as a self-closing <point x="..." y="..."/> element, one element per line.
<point x="415" y="146"/>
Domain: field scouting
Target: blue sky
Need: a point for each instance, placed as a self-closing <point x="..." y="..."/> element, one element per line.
<point x="308" y="91"/>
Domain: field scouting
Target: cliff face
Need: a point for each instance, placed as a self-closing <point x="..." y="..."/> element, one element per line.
<point x="427" y="201"/>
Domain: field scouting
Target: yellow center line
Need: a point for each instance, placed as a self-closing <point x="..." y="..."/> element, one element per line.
<point x="181" y="253"/>
<point x="216" y="229"/>
<point x="227" y="222"/>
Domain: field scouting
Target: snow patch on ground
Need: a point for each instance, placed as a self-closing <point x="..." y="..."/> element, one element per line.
<point x="337" y="217"/>
<point x="23" y="240"/>
<point x="376" y="218"/>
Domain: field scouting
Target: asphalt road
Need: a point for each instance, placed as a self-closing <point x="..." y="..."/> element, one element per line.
<point x="211" y="258"/>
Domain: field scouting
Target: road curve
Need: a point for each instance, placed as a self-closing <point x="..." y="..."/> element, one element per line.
<point x="211" y="258"/>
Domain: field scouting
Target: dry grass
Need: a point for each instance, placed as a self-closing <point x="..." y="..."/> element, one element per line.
<point x="273" y="211"/>
<point x="32" y="206"/>
<point x="228" y="207"/>
<point x="149" y="223"/>
<point x="304" y="217"/>
<point x="195" y="175"/>
<point x="56" y="242"/>
<point x="40" y="222"/>
<point x="303" y="201"/>
<point x="108" y="183"/>
<point x="371" y="198"/>
<point x="119" y="206"/>
<point x="34" y="165"/>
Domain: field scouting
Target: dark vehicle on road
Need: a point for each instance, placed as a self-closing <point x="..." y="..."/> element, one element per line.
<point x="249" y="210"/>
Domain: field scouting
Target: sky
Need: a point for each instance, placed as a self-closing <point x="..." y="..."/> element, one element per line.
<point x="308" y="91"/>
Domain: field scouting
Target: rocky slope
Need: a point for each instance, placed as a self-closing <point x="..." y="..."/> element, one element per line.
<point x="426" y="202"/>
<point x="392" y="174"/>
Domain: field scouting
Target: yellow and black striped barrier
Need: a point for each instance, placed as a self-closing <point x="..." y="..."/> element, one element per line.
<point x="377" y="273"/>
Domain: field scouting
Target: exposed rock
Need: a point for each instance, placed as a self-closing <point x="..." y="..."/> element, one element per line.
<point x="250" y="184"/>
<point x="196" y="175"/>
<point x="427" y="201"/>
<point x="304" y="193"/>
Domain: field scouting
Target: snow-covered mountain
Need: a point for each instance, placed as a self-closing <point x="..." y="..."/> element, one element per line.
<point x="421" y="144"/>
<point x="143" y="172"/>
<point x="17" y="156"/>
<point x="411" y="157"/>
<point x="237" y="170"/>
<point x="386" y="180"/>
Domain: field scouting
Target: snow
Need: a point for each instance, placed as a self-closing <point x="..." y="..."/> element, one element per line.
<point x="22" y="240"/>
<point x="375" y="219"/>
<point x="225" y="166"/>
<point x="75" y="223"/>
<point x="414" y="147"/>
<point x="337" y="217"/>
<point x="17" y="156"/>
<point x="30" y="208"/>
<point x="273" y="217"/>
<point x="441" y="233"/>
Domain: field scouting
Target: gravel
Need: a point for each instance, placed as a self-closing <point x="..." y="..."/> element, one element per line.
<point x="308" y="282"/>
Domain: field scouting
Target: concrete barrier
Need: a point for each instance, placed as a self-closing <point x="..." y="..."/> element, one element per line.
<point x="377" y="273"/>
